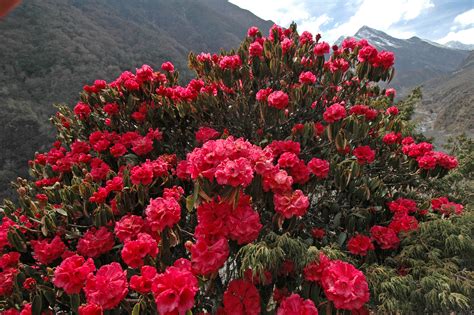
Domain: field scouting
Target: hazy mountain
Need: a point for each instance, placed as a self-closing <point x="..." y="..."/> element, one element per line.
<point x="459" y="45"/>
<point x="448" y="103"/>
<point x="50" y="48"/>
<point x="416" y="59"/>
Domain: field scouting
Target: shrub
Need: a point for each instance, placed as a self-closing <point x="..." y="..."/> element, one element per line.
<point x="267" y="184"/>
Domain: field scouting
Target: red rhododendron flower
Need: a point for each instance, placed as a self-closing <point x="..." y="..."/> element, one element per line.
<point x="392" y="138"/>
<point x="321" y="48"/>
<point x="385" y="59"/>
<point x="99" y="169"/>
<point x="446" y="207"/>
<point x="403" y="223"/>
<point x="95" y="242"/>
<point x="393" y="111"/>
<point x="286" y="44"/>
<point x="206" y="257"/>
<point x="72" y="273"/>
<point x="82" y="110"/>
<point x="385" y="237"/>
<point x="90" y="309"/>
<point x="318" y="233"/>
<point x="314" y="270"/>
<point x="162" y="212"/>
<point x="111" y="109"/>
<point x="288" y="160"/>
<point x="11" y="311"/>
<point x="230" y="62"/>
<point x="297" y="128"/>
<point x="142" y="146"/>
<point x="320" y="168"/>
<point x="255" y="49"/>
<point x="128" y="227"/>
<point x="174" y="290"/>
<point x="206" y="133"/>
<point x="334" y="113"/>
<point x="243" y="222"/>
<point x="427" y="162"/>
<point x="306" y="37"/>
<point x="117" y="150"/>
<point x="9" y="260"/>
<point x="45" y="252"/>
<point x="291" y="204"/>
<point x="142" y="174"/>
<point x="262" y="95"/>
<point x="167" y="66"/>
<point x="391" y="93"/>
<point x="279" y="147"/>
<point x="143" y="283"/>
<point x="278" y="181"/>
<point x="175" y="192"/>
<point x="212" y="220"/>
<point x="278" y="99"/>
<point x="7" y="278"/>
<point x="364" y="154"/>
<point x="307" y="77"/>
<point x="299" y="172"/>
<point x="345" y="285"/>
<point x="367" y="53"/>
<point x="296" y="305"/>
<point x="252" y="31"/>
<point x="108" y="287"/>
<point x="234" y="173"/>
<point x="241" y="297"/>
<point x="135" y="251"/>
<point x="131" y="85"/>
<point x="402" y="206"/>
<point x="360" y="245"/>
<point x="29" y="284"/>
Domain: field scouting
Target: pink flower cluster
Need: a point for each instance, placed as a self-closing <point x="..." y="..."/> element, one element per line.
<point x="343" y="284"/>
<point x="218" y="222"/>
<point x="425" y="156"/>
<point x="446" y="207"/>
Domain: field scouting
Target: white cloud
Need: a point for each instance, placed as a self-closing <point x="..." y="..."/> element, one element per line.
<point x="314" y="24"/>
<point x="462" y="29"/>
<point x="283" y="12"/>
<point x="378" y="14"/>
<point x="382" y="15"/>
<point x="465" y="19"/>
<point x="465" y="36"/>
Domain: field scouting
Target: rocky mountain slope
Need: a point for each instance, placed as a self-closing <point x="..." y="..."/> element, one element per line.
<point x="447" y="107"/>
<point x="459" y="45"/>
<point x="50" y="48"/>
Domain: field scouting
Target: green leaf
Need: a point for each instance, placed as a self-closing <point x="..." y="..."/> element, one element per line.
<point x="36" y="305"/>
<point x="342" y="238"/>
<point x="15" y="240"/>
<point x="337" y="220"/>
<point x="136" y="309"/>
<point x="190" y="203"/>
<point x="75" y="302"/>
<point x="49" y="295"/>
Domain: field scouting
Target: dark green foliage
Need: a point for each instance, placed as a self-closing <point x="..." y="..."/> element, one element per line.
<point x="439" y="259"/>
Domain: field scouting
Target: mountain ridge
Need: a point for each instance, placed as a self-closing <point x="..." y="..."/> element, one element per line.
<point x="416" y="60"/>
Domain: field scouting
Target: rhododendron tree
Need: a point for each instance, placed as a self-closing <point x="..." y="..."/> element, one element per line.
<point x="273" y="183"/>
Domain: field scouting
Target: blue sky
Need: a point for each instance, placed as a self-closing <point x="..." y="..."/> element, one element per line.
<point x="436" y="20"/>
